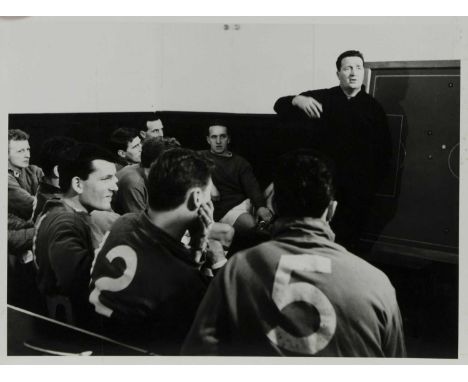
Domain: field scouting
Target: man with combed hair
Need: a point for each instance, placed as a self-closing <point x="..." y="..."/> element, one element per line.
<point x="240" y="202"/>
<point x="154" y="128"/>
<point x="64" y="243"/>
<point x="23" y="182"/>
<point x="350" y="127"/>
<point x="145" y="283"/>
<point x="301" y="293"/>
<point x="126" y="145"/>
<point x="23" y="178"/>
<point x="132" y="195"/>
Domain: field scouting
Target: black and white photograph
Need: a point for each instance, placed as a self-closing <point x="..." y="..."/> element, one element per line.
<point x="218" y="187"/>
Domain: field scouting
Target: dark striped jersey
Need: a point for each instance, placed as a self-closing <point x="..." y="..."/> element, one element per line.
<point x="146" y="285"/>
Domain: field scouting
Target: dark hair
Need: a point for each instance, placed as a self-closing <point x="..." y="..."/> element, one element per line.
<point x="303" y="184"/>
<point x="121" y="137"/>
<point x="154" y="147"/>
<point x="17" y="135"/>
<point x="52" y="151"/>
<point x="77" y="161"/>
<point x="156" y="116"/>
<point x="217" y="123"/>
<point x="173" y="174"/>
<point x="348" y="53"/>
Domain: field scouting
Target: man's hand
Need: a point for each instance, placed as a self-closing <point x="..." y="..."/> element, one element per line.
<point x="308" y="105"/>
<point x="223" y="233"/>
<point x="264" y="214"/>
<point x="200" y="230"/>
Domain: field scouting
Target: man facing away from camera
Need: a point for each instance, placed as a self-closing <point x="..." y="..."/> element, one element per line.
<point x="146" y="284"/>
<point x="300" y="294"/>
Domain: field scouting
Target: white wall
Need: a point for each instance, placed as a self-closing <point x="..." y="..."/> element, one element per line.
<point x="92" y="65"/>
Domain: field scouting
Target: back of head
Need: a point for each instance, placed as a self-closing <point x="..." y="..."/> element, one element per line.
<point x="121" y="137"/>
<point x="52" y="151"/>
<point x="348" y="53"/>
<point x="77" y="161"/>
<point x="17" y="135"/>
<point x="302" y="185"/>
<point x="174" y="173"/>
<point x="154" y="147"/>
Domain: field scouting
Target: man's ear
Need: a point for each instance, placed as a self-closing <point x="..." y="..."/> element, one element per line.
<point x="55" y="171"/>
<point x="77" y="184"/>
<point x="121" y="153"/>
<point x="194" y="198"/>
<point x="330" y="212"/>
<point x="208" y="140"/>
<point x="142" y="134"/>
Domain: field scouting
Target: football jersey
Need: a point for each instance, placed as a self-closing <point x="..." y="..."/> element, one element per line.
<point x="146" y="284"/>
<point x="299" y="294"/>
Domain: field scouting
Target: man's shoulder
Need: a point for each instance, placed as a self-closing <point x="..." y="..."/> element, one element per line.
<point x="130" y="174"/>
<point x="127" y="222"/>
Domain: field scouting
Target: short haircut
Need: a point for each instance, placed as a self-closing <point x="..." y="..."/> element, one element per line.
<point x="156" y="116"/>
<point x="302" y="184"/>
<point x="77" y="161"/>
<point x="17" y="135"/>
<point x="52" y="151"/>
<point x="348" y="53"/>
<point x="217" y="123"/>
<point x="121" y="137"/>
<point x="154" y="147"/>
<point x="173" y="174"/>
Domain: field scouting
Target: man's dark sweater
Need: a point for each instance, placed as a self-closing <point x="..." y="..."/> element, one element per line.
<point x="354" y="134"/>
<point x="64" y="251"/>
<point x="234" y="178"/>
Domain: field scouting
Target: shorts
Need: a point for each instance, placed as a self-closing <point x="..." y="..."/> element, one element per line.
<point x="233" y="214"/>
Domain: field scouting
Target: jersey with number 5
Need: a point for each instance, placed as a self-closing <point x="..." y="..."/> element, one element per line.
<point x="300" y="294"/>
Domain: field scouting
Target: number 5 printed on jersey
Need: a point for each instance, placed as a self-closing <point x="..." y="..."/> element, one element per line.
<point x="285" y="293"/>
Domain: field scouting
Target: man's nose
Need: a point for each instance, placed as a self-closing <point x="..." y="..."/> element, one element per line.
<point x="113" y="186"/>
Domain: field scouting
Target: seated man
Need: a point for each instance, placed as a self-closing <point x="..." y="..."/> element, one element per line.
<point x="145" y="283"/>
<point x="126" y="144"/>
<point x="233" y="177"/>
<point x="23" y="181"/>
<point x="23" y="178"/>
<point x="300" y="293"/>
<point x="132" y="195"/>
<point x="154" y="128"/>
<point x="63" y="244"/>
<point x="52" y="151"/>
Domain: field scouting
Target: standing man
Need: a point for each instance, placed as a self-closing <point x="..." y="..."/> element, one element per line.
<point x="64" y="243"/>
<point x="240" y="202"/>
<point x="351" y="128"/>
<point x="301" y="293"/>
<point x="154" y="128"/>
<point x="146" y="284"/>
<point x="126" y="144"/>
